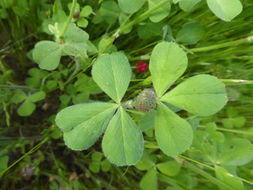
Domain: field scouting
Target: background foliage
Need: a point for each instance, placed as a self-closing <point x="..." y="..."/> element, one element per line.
<point x="33" y="87"/>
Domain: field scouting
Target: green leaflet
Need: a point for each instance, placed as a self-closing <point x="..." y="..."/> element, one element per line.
<point x="225" y="9"/>
<point x="160" y="13"/>
<point x="18" y="97"/>
<point x="75" y="34"/>
<point x="149" y="30"/>
<point x="173" y="134"/>
<point x="167" y="63"/>
<point x="37" y="96"/>
<point x="86" y="11"/>
<point x="112" y="73"/>
<point x="146" y="162"/>
<point x="73" y="116"/>
<point x="228" y="179"/>
<point x="123" y="141"/>
<point x="75" y="49"/>
<point x="47" y="54"/>
<point x="187" y="5"/>
<point x="108" y="12"/>
<point x="86" y="133"/>
<point x="169" y="168"/>
<point x="149" y="180"/>
<point x="26" y="108"/>
<point x="82" y="22"/>
<point x="130" y="6"/>
<point x="202" y="95"/>
<point x="235" y="152"/>
<point x="190" y="33"/>
<point x="147" y="121"/>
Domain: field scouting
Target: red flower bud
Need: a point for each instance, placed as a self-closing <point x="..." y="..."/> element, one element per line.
<point x="142" y="66"/>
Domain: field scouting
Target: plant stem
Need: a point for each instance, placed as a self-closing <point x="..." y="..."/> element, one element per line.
<point x="207" y="176"/>
<point x="237" y="81"/>
<point x="77" y="67"/>
<point x="235" y="131"/>
<point x="25" y="155"/>
<point x="224" y="45"/>
<point x="66" y="25"/>
<point x="14" y="87"/>
<point x="197" y="162"/>
<point x="209" y="48"/>
<point x="142" y="17"/>
<point x="7" y="115"/>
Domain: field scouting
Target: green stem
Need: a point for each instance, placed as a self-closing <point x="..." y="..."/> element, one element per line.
<point x="235" y="131"/>
<point x="66" y="25"/>
<point x="77" y="67"/>
<point x="25" y="155"/>
<point x="197" y="162"/>
<point x="14" y="87"/>
<point x="142" y="17"/>
<point x="7" y="115"/>
<point x="237" y="81"/>
<point x="207" y="176"/>
<point x="224" y="45"/>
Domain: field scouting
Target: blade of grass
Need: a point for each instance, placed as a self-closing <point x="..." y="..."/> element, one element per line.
<point x="24" y="156"/>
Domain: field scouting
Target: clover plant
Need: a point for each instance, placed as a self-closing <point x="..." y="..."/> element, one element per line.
<point x="123" y="143"/>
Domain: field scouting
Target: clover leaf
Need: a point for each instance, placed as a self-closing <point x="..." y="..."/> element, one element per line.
<point x="225" y="9"/>
<point x="28" y="102"/>
<point x="83" y="124"/>
<point x="122" y="143"/>
<point x="48" y="53"/>
<point x="201" y="95"/>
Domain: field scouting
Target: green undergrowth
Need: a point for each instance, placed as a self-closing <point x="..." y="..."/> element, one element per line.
<point x="76" y="113"/>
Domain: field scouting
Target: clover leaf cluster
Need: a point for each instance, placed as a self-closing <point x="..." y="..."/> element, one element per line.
<point x="123" y="142"/>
